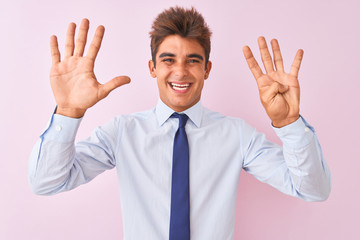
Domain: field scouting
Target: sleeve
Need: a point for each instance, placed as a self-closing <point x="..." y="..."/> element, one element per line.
<point x="57" y="164"/>
<point x="297" y="169"/>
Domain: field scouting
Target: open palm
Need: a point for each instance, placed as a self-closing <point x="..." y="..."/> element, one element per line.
<point x="73" y="81"/>
<point x="279" y="91"/>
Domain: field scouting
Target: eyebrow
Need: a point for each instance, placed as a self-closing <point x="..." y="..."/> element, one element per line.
<point x="165" y="54"/>
<point x="192" y="55"/>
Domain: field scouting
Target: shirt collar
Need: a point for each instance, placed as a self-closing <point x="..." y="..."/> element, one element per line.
<point x="163" y="112"/>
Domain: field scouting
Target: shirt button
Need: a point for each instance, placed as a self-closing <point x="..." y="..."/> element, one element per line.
<point x="58" y="128"/>
<point x="307" y="129"/>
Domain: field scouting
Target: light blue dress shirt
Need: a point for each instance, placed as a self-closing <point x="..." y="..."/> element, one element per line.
<point x="140" y="146"/>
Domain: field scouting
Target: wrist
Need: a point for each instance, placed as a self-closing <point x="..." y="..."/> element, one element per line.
<point x="70" y="112"/>
<point x="284" y="122"/>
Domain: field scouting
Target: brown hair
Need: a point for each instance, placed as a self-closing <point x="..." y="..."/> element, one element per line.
<point x="187" y="23"/>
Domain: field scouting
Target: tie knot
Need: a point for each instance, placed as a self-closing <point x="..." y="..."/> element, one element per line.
<point x="182" y="118"/>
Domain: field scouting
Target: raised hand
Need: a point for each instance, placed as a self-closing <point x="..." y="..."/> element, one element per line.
<point x="73" y="81"/>
<point x="279" y="91"/>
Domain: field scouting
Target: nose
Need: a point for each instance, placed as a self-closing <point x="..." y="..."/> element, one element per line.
<point x="180" y="71"/>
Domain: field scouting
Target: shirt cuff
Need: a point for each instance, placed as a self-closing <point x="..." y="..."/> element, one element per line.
<point x="61" y="128"/>
<point x="297" y="134"/>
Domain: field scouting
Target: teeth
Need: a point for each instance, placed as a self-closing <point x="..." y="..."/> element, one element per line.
<point x="179" y="86"/>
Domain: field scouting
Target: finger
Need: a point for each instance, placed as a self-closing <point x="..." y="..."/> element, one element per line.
<point x="278" y="60"/>
<point x="275" y="88"/>
<point x="252" y="63"/>
<point x="69" y="44"/>
<point x="96" y="42"/>
<point x="265" y="55"/>
<point x="54" y="49"/>
<point x="112" y="84"/>
<point x="295" y="67"/>
<point x="82" y="37"/>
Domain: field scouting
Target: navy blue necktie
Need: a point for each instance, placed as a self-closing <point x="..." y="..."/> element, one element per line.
<point x="180" y="203"/>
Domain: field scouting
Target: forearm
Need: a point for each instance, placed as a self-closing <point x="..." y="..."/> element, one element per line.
<point x="303" y="156"/>
<point x="57" y="164"/>
<point x="297" y="169"/>
<point x="52" y="157"/>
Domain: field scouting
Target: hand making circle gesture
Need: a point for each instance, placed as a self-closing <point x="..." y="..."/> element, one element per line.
<point x="279" y="91"/>
<point x="73" y="81"/>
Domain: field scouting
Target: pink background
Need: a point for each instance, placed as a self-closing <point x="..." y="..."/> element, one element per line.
<point x="327" y="30"/>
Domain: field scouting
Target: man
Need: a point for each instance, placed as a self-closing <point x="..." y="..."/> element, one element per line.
<point x="178" y="164"/>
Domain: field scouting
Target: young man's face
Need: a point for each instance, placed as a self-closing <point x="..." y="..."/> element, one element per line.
<point x="180" y="72"/>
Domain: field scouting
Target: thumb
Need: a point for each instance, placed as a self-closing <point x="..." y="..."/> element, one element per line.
<point x="277" y="87"/>
<point x="274" y="89"/>
<point x="116" y="82"/>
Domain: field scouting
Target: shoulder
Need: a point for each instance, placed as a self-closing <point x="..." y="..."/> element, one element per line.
<point x="133" y="120"/>
<point x="227" y="123"/>
<point x="137" y="116"/>
<point x="217" y="117"/>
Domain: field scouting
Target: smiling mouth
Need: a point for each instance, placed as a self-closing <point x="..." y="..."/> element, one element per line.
<point x="180" y="87"/>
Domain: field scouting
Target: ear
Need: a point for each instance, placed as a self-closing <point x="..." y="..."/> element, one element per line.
<point x="152" y="68"/>
<point x="207" y="70"/>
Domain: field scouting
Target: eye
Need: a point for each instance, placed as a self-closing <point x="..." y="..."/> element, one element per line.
<point x="168" y="60"/>
<point x="193" y="61"/>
